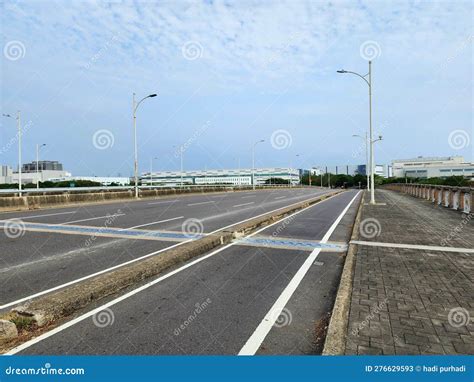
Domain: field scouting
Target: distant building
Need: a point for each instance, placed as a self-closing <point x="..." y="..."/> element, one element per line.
<point x="432" y="167"/>
<point x="380" y="170"/>
<point x="43" y="165"/>
<point x="224" y="177"/>
<point x="6" y="174"/>
<point x="103" y="180"/>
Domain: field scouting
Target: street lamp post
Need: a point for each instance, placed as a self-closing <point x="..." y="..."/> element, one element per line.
<point x="18" y="119"/>
<point x="253" y="161"/>
<point x="299" y="174"/>
<point x="151" y="170"/>
<point x="371" y="140"/>
<point x="366" y="140"/>
<point x="38" y="146"/>
<point x="135" y="107"/>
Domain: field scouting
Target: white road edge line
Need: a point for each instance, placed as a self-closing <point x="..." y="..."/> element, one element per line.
<point x="157" y="222"/>
<point x="88" y="219"/>
<point x="253" y="343"/>
<point x="412" y="246"/>
<point x="244" y="204"/>
<point x="134" y="260"/>
<point x="199" y="203"/>
<point x="145" y="286"/>
<point x="164" y="201"/>
<point x="40" y="216"/>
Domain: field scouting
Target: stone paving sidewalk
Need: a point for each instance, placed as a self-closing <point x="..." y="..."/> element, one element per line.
<point x="412" y="301"/>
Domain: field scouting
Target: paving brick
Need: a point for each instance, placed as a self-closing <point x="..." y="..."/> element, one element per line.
<point x="403" y="296"/>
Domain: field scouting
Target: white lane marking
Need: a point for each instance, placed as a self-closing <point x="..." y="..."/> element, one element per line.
<point x="244" y="204"/>
<point x="248" y="196"/>
<point x="157" y="222"/>
<point x="145" y="286"/>
<point x="164" y="201"/>
<point x="253" y="343"/>
<point x="98" y="217"/>
<point x="412" y="246"/>
<point x="198" y="204"/>
<point x="140" y="258"/>
<point x="40" y="216"/>
<point x="280" y="197"/>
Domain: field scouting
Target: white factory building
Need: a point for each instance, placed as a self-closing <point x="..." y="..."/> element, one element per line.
<point x="432" y="167"/>
<point x="226" y="176"/>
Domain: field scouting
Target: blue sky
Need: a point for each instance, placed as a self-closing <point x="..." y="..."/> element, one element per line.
<point x="230" y="73"/>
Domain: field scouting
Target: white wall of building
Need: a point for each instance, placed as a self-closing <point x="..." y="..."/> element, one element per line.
<point x="432" y="167"/>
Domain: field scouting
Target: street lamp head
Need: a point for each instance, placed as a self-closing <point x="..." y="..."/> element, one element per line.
<point x="152" y="95"/>
<point x="263" y="140"/>
<point x="7" y="115"/>
<point x="342" y="71"/>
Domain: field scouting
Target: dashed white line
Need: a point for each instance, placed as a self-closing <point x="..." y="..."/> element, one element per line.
<point x="244" y="204"/>
<point x="152" y="223"/>
<point x="164" y="201"/>
<point x="280" y="197"/>
<point x="97" y="217"/>
<point x="40" y="216"/>
<point x="198" y="204"/>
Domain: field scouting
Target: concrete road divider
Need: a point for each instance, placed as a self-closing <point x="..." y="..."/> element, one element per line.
<point x="48" y="309"/>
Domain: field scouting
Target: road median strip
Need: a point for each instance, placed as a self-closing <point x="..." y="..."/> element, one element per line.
<point x="47" y="310"/>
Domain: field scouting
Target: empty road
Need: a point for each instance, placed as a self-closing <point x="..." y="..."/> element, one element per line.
<point x="268" y="293"/>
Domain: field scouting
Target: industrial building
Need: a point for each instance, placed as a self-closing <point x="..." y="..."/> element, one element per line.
<point x="226" y="176"/>
<point x="432" y="167"/>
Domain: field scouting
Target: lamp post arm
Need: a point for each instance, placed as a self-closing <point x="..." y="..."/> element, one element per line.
<point x="359" y="75"/>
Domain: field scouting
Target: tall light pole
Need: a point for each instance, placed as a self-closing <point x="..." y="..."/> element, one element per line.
<point x="299" y="174"/>
<point x="151" y="169"/>
<point x="253" y="161"/>
<point x="366" y="140"/>
<point x="181" y="169"/>
<point x="368" y="79"/>
<point x="18" y="119"/>
<point x="135" y="107"/>
<point x="38" y="146"/>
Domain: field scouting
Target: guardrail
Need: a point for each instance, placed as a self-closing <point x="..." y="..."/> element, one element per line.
<point x="456" y="198"/>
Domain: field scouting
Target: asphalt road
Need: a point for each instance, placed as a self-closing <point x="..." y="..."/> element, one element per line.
<point x="35" y="262"/>
<point x="222" y="302"/>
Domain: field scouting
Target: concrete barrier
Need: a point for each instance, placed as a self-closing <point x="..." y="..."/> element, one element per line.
<point x="60" y="304"/>
<point x="456" y="198"/>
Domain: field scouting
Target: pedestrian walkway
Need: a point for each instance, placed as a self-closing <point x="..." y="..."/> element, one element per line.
<point x="414" y="297"/>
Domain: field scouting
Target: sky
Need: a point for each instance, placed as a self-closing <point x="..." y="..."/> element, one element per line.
<point x="228" y="74"/>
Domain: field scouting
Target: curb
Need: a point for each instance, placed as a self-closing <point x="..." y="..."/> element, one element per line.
<point x="45" y="310"/>
<point x="335" y="343"/>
